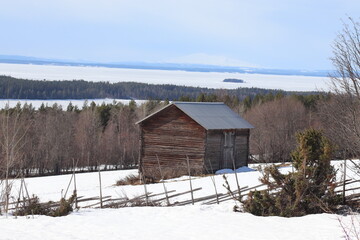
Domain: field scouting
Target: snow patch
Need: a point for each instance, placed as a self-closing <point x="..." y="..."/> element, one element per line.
<point x="239" y="170"/>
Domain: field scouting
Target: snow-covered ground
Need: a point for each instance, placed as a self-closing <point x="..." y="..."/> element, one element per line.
<point x="196" y="79"/>
<point x="190" y="222"/>
<point x="185" y="222"/>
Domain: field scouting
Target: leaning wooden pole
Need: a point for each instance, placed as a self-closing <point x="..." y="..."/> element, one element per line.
<point x="142" y="174"/>
<point x="162" y="177"/>
<point x="344" y="183"/>
<point x="28" y="196"/>
<point x="101" y="199"/>
<point x="26" y="190"/>
<point x="214" y="182"/>
<point x="68" y="186"/>
<point x="75" y="190"/>
<point x="19" y="197"/>
<point x="191" y="189"/>
<point x="236" y="177"/>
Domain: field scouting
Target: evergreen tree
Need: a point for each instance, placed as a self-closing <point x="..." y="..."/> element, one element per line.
<point x="70" y="107"/>
<point x="310" y="189"/>
<point x="247" y="103"/>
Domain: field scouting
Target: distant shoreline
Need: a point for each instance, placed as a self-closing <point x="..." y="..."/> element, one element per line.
<point x="170" y="66"/>
<point x="162" y="77"/>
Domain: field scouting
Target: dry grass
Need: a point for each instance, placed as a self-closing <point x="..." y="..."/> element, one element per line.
<point x="129" y="180"/>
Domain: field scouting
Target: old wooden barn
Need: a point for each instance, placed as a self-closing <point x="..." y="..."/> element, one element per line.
<point x="210" y="135"/>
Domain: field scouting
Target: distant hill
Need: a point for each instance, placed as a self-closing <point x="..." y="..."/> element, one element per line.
<point x="160" y="66"/>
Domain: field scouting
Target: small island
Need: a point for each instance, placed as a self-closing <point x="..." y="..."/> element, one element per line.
<point x="233" y="80"/>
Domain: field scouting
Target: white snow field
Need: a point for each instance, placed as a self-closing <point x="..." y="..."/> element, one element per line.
<point x="36" y="103"/>
<point x="163" y="223"/>
<point x="184" y="78"/>
<point x="190" y="222"/>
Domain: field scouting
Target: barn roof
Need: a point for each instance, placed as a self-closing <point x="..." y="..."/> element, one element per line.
<point x="210" y="115"/>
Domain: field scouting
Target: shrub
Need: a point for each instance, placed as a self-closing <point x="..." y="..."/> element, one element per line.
<point x="32" y="207"/>
<point x="310" y="189"/>
<point x="64" y="208"/>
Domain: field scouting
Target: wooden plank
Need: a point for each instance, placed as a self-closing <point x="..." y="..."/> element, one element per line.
<point x="197" y="200"/>
<point x="176" y="195"/>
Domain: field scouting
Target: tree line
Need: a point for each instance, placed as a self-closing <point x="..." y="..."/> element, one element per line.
<point x="14" y="88"/>
<point x="52" y="139"/>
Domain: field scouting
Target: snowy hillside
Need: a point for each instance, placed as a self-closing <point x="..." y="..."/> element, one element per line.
<point x="186" y="222"/>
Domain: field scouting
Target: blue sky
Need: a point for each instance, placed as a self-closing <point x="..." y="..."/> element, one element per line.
<point x="287" y="34"/>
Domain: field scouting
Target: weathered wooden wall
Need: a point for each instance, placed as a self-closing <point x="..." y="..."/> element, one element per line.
<point x="171" y="135"/>
<point x="242" y="147"/>
<point x="214" y="150"/>
<point x="214" y="156"/>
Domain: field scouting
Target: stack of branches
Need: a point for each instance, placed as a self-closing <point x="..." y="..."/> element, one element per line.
<point x="33" y="206"/>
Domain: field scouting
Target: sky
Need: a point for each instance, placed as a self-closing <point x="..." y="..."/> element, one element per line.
<point x="283" y="34"/>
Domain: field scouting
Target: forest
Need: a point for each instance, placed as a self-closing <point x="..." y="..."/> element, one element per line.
<point x="51" y="140"/>
<point x="14" y="88"/>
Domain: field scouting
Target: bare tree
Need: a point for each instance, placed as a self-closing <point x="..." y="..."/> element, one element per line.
<point x="346" y="60"/>
<point x="13" y="131"/>
<point x="341" y="114"/>
<point x="341" y="120"/>
<point x="86" y="136"/>
<point x="276" y="123"/>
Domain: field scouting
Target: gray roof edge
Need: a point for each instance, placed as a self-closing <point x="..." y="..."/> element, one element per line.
<point x="249" y="126"/>
<point x="170" y="104"/>
<point x="154" y="113"/>
<point x="246" y="123"/>
<point x="174" y="103"/>
<point x="200" y="103"/>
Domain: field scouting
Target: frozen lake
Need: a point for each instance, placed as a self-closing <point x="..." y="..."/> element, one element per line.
<point x="195" y="79"/>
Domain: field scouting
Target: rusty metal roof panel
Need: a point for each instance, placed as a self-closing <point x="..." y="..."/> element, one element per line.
<point x="213" y="115"/>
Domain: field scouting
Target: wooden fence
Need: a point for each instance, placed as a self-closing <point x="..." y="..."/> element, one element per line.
<point x="166" y="198"/>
